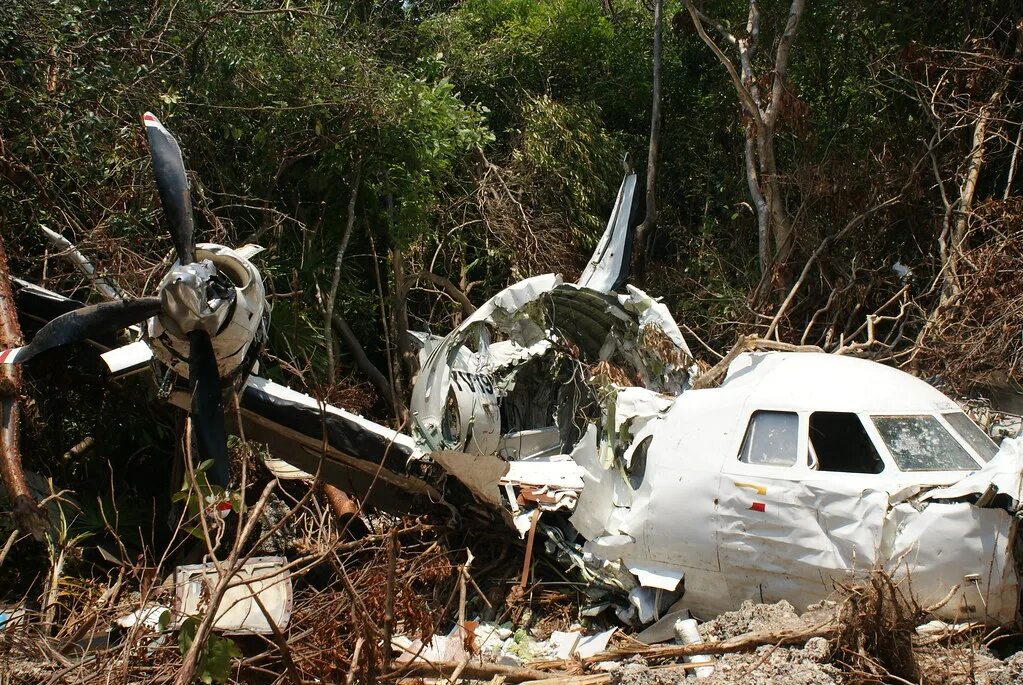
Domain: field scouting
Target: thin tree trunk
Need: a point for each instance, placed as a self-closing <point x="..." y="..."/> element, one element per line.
<point x="763" y="215"/>
<point x="784" y="239"/>
<point x="644" y="230"/>
<point x="748" y="46"/>
<point x="468" y="308"/>
<point x="368" y="368"/>
<point x="407" y="358"/>
<point x="762" y="177"/>
<point x="26" y="511"/>
<point x="336" y="279"/>
<point x="973" y="167"/>
<point x="1012" y="163"/>
<point x="771" y="187"/>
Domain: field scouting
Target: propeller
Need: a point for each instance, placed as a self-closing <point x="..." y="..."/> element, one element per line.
<point x="81" y="324"/>
<point x="207" y="409"/>
<point x="169" y="170"/>
<point x="194" y="301"/>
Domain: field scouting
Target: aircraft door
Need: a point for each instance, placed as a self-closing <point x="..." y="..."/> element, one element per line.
<point x="767" y="530"/>
<point x="682" y="508"/>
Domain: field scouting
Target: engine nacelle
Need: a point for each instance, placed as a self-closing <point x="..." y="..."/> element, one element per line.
<point x="222" y="294"/>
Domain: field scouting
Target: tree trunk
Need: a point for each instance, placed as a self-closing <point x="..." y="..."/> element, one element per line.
<point x="771" y="187"/>
<point x="407" y="365"/>
<point x="645" y="229"/>
<point x="763" y="215"/>
<point x="362" y="361"/>
<point x="973" y="167"/>
<point x="336" y="278"/>
<point x="28" y="515"/>
<point x="773" y="223"/>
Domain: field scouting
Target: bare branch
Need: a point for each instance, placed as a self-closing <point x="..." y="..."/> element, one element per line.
<point x="744" y="96"/>
<point x="856" y="221"/>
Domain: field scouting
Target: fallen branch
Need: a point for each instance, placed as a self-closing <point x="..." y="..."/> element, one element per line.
<point x="747" y="343"/>
<point x="601" y="678"/>
<point x="476" y="671"/>
<point x="743" y="643"/>
<point x="104" y="287"/>
<point x="824" y="244"/>
<point x="468" y="308"/>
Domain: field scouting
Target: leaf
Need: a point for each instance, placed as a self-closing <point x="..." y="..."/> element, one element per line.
<point x="186" y="635"/>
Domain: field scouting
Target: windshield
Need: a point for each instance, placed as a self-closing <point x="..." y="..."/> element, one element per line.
<point x="972" y="434"/>
<point x="921" y="443"/>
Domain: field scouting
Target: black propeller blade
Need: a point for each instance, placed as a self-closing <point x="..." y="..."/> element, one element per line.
<point x="207" y="410"/>
<point x="169" y="170"/>
<point x="80" y="324"/>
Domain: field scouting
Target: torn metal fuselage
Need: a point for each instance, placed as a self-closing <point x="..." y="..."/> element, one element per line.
<point x="800" y="472"/>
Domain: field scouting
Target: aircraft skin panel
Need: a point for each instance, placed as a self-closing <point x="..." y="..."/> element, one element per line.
<point x="608" y="268"/>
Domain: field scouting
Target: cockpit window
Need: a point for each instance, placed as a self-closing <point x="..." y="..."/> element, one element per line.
<point x="972" y="434"/>
<point x="921" y="443"/>
<point x="838" y="442"/>
<point x="771" y="439"/>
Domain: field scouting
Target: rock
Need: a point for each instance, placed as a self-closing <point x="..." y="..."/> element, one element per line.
<point x="817" y="649"/>
<point x="751" y="618"/>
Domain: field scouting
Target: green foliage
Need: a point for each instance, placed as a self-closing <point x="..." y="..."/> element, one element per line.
<point x="571" y="159"/>
<point x="279" y="108"/>
<point x="214" y="662"/>
<point x="204" y="499"/>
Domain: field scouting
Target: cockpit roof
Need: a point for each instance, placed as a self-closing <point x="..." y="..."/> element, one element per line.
<point x="808" y="381"/>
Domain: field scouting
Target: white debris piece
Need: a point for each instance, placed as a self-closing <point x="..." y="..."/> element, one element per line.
<point x="687" y="633"/>
<point x="238" y="612"/>
<point x="148" y="616"/>
<point x="444" y="648"/>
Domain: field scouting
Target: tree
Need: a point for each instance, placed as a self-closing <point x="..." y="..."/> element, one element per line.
<point x="774" y="226"/>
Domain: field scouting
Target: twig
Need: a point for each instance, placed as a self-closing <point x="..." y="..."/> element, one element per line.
<point x="282" y="643"/>
<point x="853" y="223"/>
<point x="476" y="671"/>
<point x="392" y="561"/>
<point x="7" y="545"/>
<point x="742" y="643"/>
<point x="355" y="660"/>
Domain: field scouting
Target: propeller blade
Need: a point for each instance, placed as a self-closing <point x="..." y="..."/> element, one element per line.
<point x="169" y="170"/>
<point x="208" y="406"/>
<point x="80" y="324"/>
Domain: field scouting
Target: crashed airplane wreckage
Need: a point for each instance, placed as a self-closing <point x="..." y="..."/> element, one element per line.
<point x="575" y="411"/>
<point x="572" y="408"/>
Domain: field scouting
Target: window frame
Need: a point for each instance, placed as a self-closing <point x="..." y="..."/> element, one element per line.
<point x="962" y="439"/>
